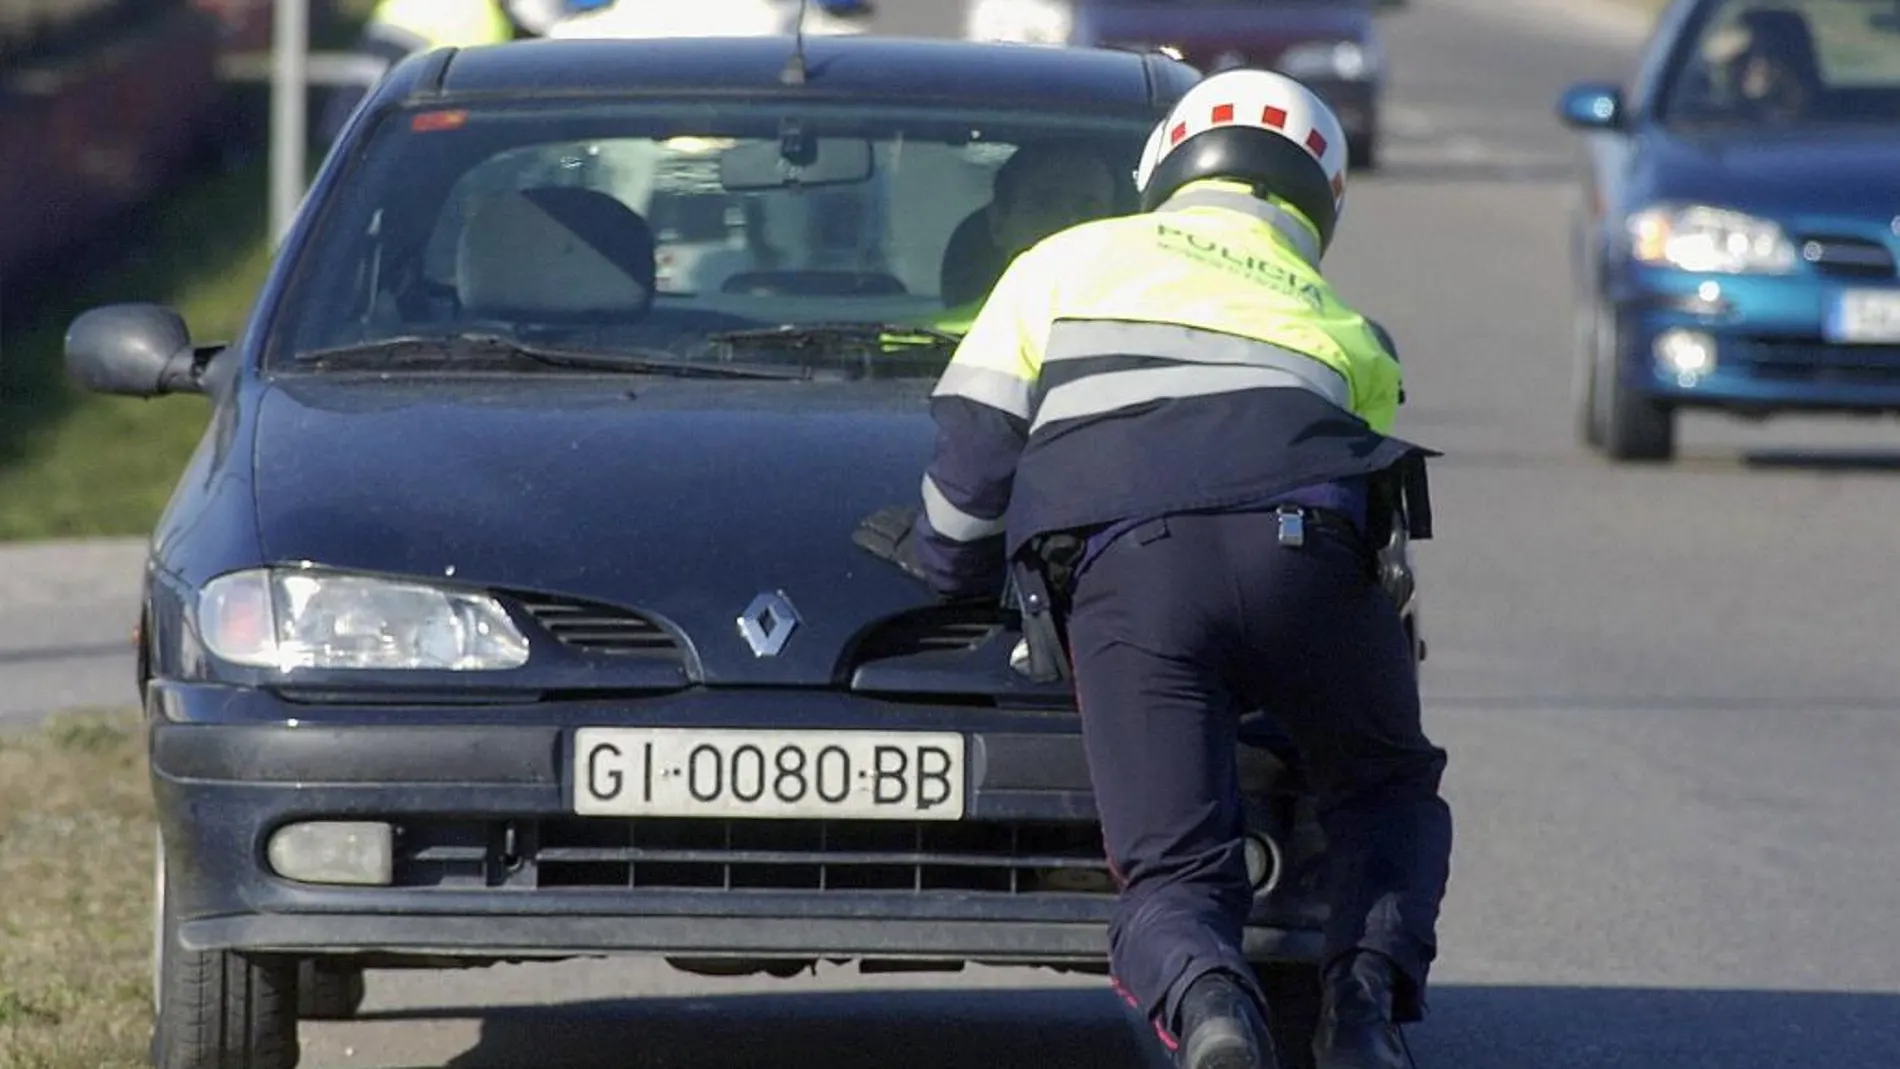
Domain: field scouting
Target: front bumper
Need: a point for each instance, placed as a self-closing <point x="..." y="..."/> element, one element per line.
<point x="491" y="862"/>
<point x="1772" y="352"/>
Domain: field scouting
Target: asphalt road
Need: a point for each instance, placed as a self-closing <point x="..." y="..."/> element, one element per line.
<point x="1670" y="695"/>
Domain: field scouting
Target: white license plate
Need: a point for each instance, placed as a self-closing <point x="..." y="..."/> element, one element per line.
<point x="689" y="772"/>
<point x="1866" y="316"/>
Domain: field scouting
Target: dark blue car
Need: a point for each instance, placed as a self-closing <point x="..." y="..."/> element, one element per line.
<point x="1740" y="221"/>
<point x="509" y="608"/>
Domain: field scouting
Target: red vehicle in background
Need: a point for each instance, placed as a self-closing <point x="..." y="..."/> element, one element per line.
<point x="1331" y="45"/>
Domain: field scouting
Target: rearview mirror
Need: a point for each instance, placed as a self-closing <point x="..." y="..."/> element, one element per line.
<point x="849" y="9"/>
<point x="134" y="350"/>
<point x="830" y="161"/>
<point x="1592" y="106"/>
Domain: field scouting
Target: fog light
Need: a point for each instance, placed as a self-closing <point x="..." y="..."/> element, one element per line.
<point x="361" y="852"/>
<point x="1686" y="354"/>
<point x="1263" y="862"/>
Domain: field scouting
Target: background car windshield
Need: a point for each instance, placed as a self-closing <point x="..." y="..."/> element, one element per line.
<point x="1792" y="62"/>
<point x="653" y="225"/>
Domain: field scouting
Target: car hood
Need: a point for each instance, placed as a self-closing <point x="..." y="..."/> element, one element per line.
<point x="679" y="500"/>
<point x="1261" y="29"/>
<point x="1841" y="173"/>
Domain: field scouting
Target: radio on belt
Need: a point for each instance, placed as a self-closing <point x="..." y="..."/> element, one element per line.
<point x="1292" y="525"/>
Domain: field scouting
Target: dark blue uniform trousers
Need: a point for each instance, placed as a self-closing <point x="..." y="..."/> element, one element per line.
<point x="1177" y="628"/>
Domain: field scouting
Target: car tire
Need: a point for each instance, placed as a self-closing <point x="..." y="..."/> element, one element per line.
<point x="217" y="1009"/>
<point x="1633" y="427"/>
<point x="1293" y="1004"/>
<point x="1362" y="153"/>
<point x="1583" y="379"/>
<point x="328" y="990"/>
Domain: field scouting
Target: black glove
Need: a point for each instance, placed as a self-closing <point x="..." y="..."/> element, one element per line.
<point x="888" y="534"/>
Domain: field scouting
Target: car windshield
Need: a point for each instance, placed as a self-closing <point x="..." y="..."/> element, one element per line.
<point x="1791" y="63"/>
<point x="735" y="229"/>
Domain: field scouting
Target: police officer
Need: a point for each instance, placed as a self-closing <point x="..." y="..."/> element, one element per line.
<point x="1174" y="416"/>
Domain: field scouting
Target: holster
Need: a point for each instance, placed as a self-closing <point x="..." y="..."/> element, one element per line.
<point x="1039" y="581"/>
<point x="1401" y="511"/>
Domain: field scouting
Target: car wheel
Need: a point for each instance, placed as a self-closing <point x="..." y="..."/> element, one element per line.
<point x="1583" y="378"/>
<point x="1362" y="153"/>
<point x="328" y="990"/>
<point x="1293" y="1003"/>
<point x="1632" y="426"/>
<point x="217" y="1009"/>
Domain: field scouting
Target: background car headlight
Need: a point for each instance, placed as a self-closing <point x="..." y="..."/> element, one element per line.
<point x="1700" y="238"/>
<point x="1339" y="59"/>
<point x="1042" y="22"/>
<point x="303" y="618"/>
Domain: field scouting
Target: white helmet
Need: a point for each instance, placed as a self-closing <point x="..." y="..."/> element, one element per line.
<point x="1257" y="127"/>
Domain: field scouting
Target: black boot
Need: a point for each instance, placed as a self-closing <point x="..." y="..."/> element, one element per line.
<point x="1356" y="1030"/>
<point x="1222" y="1027"/>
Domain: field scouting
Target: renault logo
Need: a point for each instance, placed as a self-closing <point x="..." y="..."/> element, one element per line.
<point x="767" y="623"/>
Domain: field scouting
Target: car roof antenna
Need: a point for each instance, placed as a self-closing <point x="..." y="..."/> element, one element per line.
<point x="794" y="72"/>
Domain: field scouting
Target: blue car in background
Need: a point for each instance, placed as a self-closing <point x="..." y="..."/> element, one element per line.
<point x="1736" y="244"/>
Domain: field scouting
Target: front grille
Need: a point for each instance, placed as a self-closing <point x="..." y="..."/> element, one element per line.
<point x="1848" y="257"/>
<point x="932" y="630"/>
<point x="996" y="857"/>
<point x="1814" y="362"/>
<point x="599" y="628"/>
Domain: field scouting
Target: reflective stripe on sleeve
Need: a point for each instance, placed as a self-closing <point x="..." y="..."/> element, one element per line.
<point x="997" y="389"/>
<point x="952" y="522"/>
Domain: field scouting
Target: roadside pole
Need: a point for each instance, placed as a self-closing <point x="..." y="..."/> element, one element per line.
<point x="289" y="128"/>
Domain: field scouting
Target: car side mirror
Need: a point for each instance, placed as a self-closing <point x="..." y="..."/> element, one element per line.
<point x="135" y="350"/>
<point x="1592" y="106"/>
<point x="1381" y="332"/>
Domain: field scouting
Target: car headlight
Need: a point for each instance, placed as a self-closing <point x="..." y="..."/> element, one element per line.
<point x="1338" y="59"/>
<point x="1041" y="22"/>
<point x="1700" y="238"/>
<point x="304" y="618"/>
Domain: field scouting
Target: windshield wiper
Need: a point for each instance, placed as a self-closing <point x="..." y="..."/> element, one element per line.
<point x="894" y="335"/>
<point x="631" y="359"/>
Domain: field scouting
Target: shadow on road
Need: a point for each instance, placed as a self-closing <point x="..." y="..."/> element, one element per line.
<point x="1872" y="461"/>
<point x="1471" y="1028"/>
<point x="910" y="1029"/>
<point x="75" y="652"/>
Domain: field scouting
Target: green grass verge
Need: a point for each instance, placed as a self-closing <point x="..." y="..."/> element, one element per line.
<point x="74" y="464"/>
<point x="75" y="894"/>
<point x="78" y="465"/>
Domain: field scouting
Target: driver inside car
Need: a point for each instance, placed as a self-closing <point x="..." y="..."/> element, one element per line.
<point x="1041" y="189"/>
<point x="1767" y="65"/>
